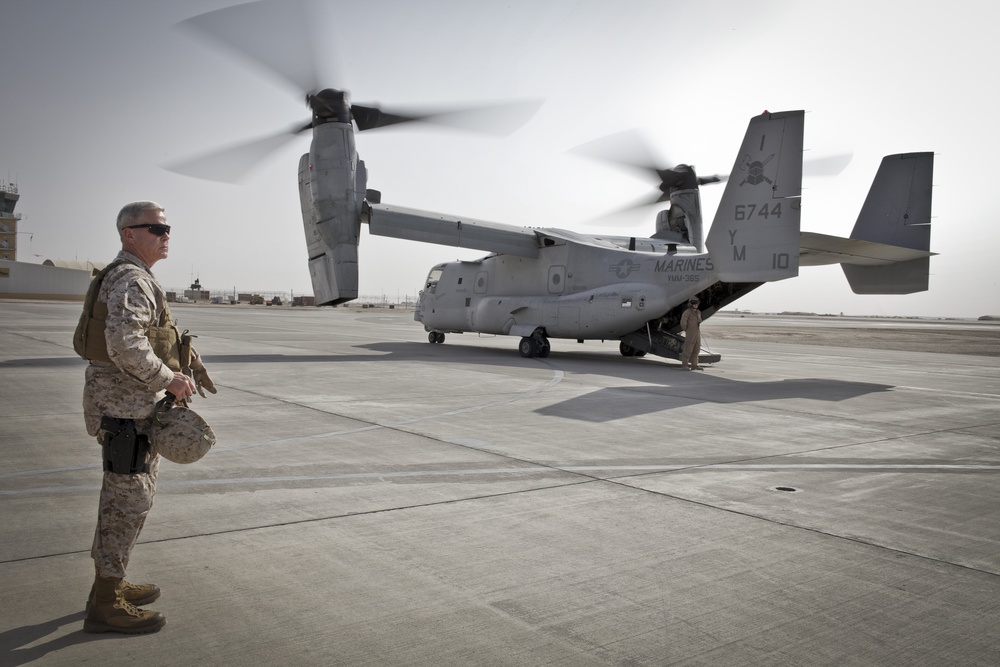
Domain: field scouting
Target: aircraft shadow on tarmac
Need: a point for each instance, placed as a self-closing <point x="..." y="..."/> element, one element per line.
<point x="664" y="386"/>
<point x="621" y="402"/>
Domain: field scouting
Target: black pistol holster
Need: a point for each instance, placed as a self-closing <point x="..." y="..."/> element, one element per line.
<point x="124" y="449"/>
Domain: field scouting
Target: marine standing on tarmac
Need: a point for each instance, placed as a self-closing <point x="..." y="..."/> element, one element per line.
<point x="691" y="326"/>
<point x="135" y="360"/>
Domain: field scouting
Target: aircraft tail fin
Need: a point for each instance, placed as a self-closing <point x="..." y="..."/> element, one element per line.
<point x="755" y="234"/>
<point x="897" y="212"/>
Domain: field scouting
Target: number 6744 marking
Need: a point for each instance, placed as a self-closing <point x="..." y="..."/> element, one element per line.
<point x="748" y="211"/>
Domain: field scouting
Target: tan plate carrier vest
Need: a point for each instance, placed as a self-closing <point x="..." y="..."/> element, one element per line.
<point x="89" y="341"/>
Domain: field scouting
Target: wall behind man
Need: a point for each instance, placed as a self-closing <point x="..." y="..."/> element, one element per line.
<point x="21" y="280"/>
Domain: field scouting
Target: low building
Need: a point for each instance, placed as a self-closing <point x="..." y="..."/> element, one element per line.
<point x="51" y="280"/>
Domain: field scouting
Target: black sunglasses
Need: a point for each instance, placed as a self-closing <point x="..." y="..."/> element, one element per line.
<point x="159" y="230"/>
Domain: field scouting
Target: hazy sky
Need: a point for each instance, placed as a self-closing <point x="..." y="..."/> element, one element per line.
<point x="98" y="94"/>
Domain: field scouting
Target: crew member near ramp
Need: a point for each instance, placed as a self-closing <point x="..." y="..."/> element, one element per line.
<point x="691" y="326"/>
<point x="135" y="354"/>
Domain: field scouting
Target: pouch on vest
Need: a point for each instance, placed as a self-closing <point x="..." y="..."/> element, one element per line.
<point x="86" y="328"/>
<point x="186" y="356"/>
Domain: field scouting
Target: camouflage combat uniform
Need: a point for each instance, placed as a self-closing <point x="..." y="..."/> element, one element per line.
<point x="691" y="325"/>
<point x="127" y="388"/>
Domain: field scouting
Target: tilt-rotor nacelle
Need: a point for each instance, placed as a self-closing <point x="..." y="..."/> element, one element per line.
<point x="329" y="105"/>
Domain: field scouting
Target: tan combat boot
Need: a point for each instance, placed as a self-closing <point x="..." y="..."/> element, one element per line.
<point x="136" y="594"/>
<point x="108" y="611"/>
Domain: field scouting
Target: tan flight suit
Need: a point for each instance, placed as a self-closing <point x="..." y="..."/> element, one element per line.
<point x="127" y="388"/>
<point x="691" y="325"/>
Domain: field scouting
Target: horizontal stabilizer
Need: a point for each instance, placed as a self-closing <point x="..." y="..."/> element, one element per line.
<point x="888" y="252"/>
<point x="818" y="249"/>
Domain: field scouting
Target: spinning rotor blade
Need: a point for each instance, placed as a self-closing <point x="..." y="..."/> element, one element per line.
<point x="231" y="164"/>
<point x="826" y="166"/>
<point x="628" y="149"/>
<point x="275" y="34"/>
<point x="500" y="119"/>
<point x="642" y="202"/>
<point x="272" y="33"/>
<point x="631" y="149"/>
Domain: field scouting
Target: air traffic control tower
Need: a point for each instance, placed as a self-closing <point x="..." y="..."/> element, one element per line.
<point x="8" y="221"/>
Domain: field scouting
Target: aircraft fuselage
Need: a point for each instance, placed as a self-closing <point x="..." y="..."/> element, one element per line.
<point x="570" y="290"/>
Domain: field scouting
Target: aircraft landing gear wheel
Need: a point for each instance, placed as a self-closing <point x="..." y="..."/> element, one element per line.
<point x="626" y="350"/>
<point x="544" y="347"/>
<point x="527" y="347"/>
<point x="435" y="337"/>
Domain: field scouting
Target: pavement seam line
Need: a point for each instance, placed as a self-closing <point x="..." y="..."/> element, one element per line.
<point x="816" y="531"/>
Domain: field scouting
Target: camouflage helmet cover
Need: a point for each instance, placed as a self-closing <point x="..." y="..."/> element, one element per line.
<point x="179" y="434"/>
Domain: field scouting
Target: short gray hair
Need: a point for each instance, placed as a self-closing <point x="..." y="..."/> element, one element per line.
<point x="131" y="212"/>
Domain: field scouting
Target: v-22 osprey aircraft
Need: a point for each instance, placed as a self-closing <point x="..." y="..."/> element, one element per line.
<point x="540" y="283"/>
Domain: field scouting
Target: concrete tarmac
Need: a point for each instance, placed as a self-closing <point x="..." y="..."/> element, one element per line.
<point x="378" y="500"/>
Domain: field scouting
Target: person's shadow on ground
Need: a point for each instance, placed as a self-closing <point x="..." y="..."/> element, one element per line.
<point x="18" y="645"/>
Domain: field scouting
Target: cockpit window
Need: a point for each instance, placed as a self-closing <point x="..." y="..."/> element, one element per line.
<point x="432" y="280"/>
